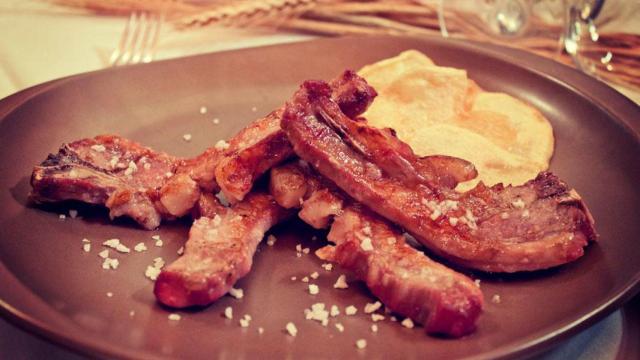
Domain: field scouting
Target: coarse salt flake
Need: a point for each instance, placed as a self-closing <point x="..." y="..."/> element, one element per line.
<point x="104" y="253"/>
<point x="228" y="312"/>
<point x="203" y="109"/>
<point x="109" y="294"/>
<point x="361" y="343"/>
<point x="140" y="247"/>
<point x="408" y="323"/>
<point x="366" y="245"/>
<point x="340" y="327"/>
<point x="335" y="311"/>
<point x="327" y="266"/>
<point x="62" y="216"/>
<point x="376" y="317"/>
<point x="341" y="282"/>
<point x="371" y="307"/>
<point x="221" y="145"/>
<point x="374" y="328"/>
<point x="159" y="243"/>
<point x="291" y="329"/>
<point x="216" y="121"/>
<point x="236" y="293"/>
<point x="186" y="137"/>
<point x="152" y="272"/>
<point x="86" y="247"/>
<point x="496" y="299"/>
<point x="174" y="317"/>
<point x="350" y="310"/>
<point x="314" y="275"/>
<point x="305" y="279"/>
<point x="313" y="289"/>
<point x="180" y="250"/>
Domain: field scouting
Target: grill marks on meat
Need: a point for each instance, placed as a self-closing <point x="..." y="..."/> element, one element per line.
<point x="538" y="225"/>
<point x="219" y="251"/>
<point x="404" y="279"/>
<point x="263" y="144"/>
<point x="128" y="178"/>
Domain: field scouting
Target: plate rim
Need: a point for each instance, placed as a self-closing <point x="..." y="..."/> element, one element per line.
<point x="575" y="81"/>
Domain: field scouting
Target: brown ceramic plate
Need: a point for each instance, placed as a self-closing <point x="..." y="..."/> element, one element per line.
<point x="51" y="287"/>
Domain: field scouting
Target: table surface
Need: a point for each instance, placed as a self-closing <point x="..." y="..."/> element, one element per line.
<point x="42" y="42"/>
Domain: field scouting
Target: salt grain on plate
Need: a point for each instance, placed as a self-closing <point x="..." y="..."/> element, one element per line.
<point x="271" y="240"/>
<point x="62" y="216"/>
<point x="174" y="317"/>
<point x="341" y="282"/>
<point x="408" y="323"/>
<point x="109" y="294"/>
<point x="305" y="279"/>
<point x="314" y="275"/>
<point x="340" y="327"/>
<point x="291" y="329"/>
<point x="216" y="121"/>
<point x="140" y="247"/>
<point x="327" y="266"/>
<point x="86" y="247"/>
<point x="335" y="311"/>
<point x="371" y="307"/>
<point x="186" y="137"/>
<point x="180" y="250"/>
<point x="376" y="317"/>
<point x="496" y="299"/>
<point x="361" y="343"/>
<point x="350" y="310"/>
<point x="104" y="253"/>
<point x="314" y="289"/>
<point x="221" y="145"/>
<point x="260" y="330"/>
<point x="228" y="312"/>
<point x="203" y="110"/>
<point x="374" y="328"/>
<point x="236" y="293"/>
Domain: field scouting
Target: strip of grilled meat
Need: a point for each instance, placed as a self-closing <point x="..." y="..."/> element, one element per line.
<point x="404" y="279"/>
<point x="219" y="251"/>
<point x="538" y="225"/>
<point x="263" y="144"/>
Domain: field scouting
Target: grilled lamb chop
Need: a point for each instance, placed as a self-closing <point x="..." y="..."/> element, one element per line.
<point x="538" y="225"/>
<point x="219" y="251"/>
<point x="263" y="144"/>
<point x="404" y="279"/>
<point x="132" y="180"/>
<point x="109" y="170"/>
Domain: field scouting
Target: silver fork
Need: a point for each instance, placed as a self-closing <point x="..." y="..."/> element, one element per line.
<point x="138" y="40"/>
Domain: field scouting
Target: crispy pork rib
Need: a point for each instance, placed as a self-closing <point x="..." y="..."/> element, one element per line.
<point x="219" y="251"/>
<point x="263" y="144"/>
<point x="404" y="279"/>
<point x="538" y="225"/>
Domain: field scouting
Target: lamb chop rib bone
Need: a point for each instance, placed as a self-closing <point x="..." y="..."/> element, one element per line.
<point x="148" y="186"/>
<point x="538" y="225"/>
<point x="404" y="279"/>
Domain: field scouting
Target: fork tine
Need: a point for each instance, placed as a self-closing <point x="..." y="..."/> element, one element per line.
<point x="138" y="18"/>
<point x="117" y="53"/>
<point x="139" y="48"/>
<point x="151" y="49"/>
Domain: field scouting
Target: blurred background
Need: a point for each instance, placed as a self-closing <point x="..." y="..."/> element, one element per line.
<point x="48" y="39"/>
